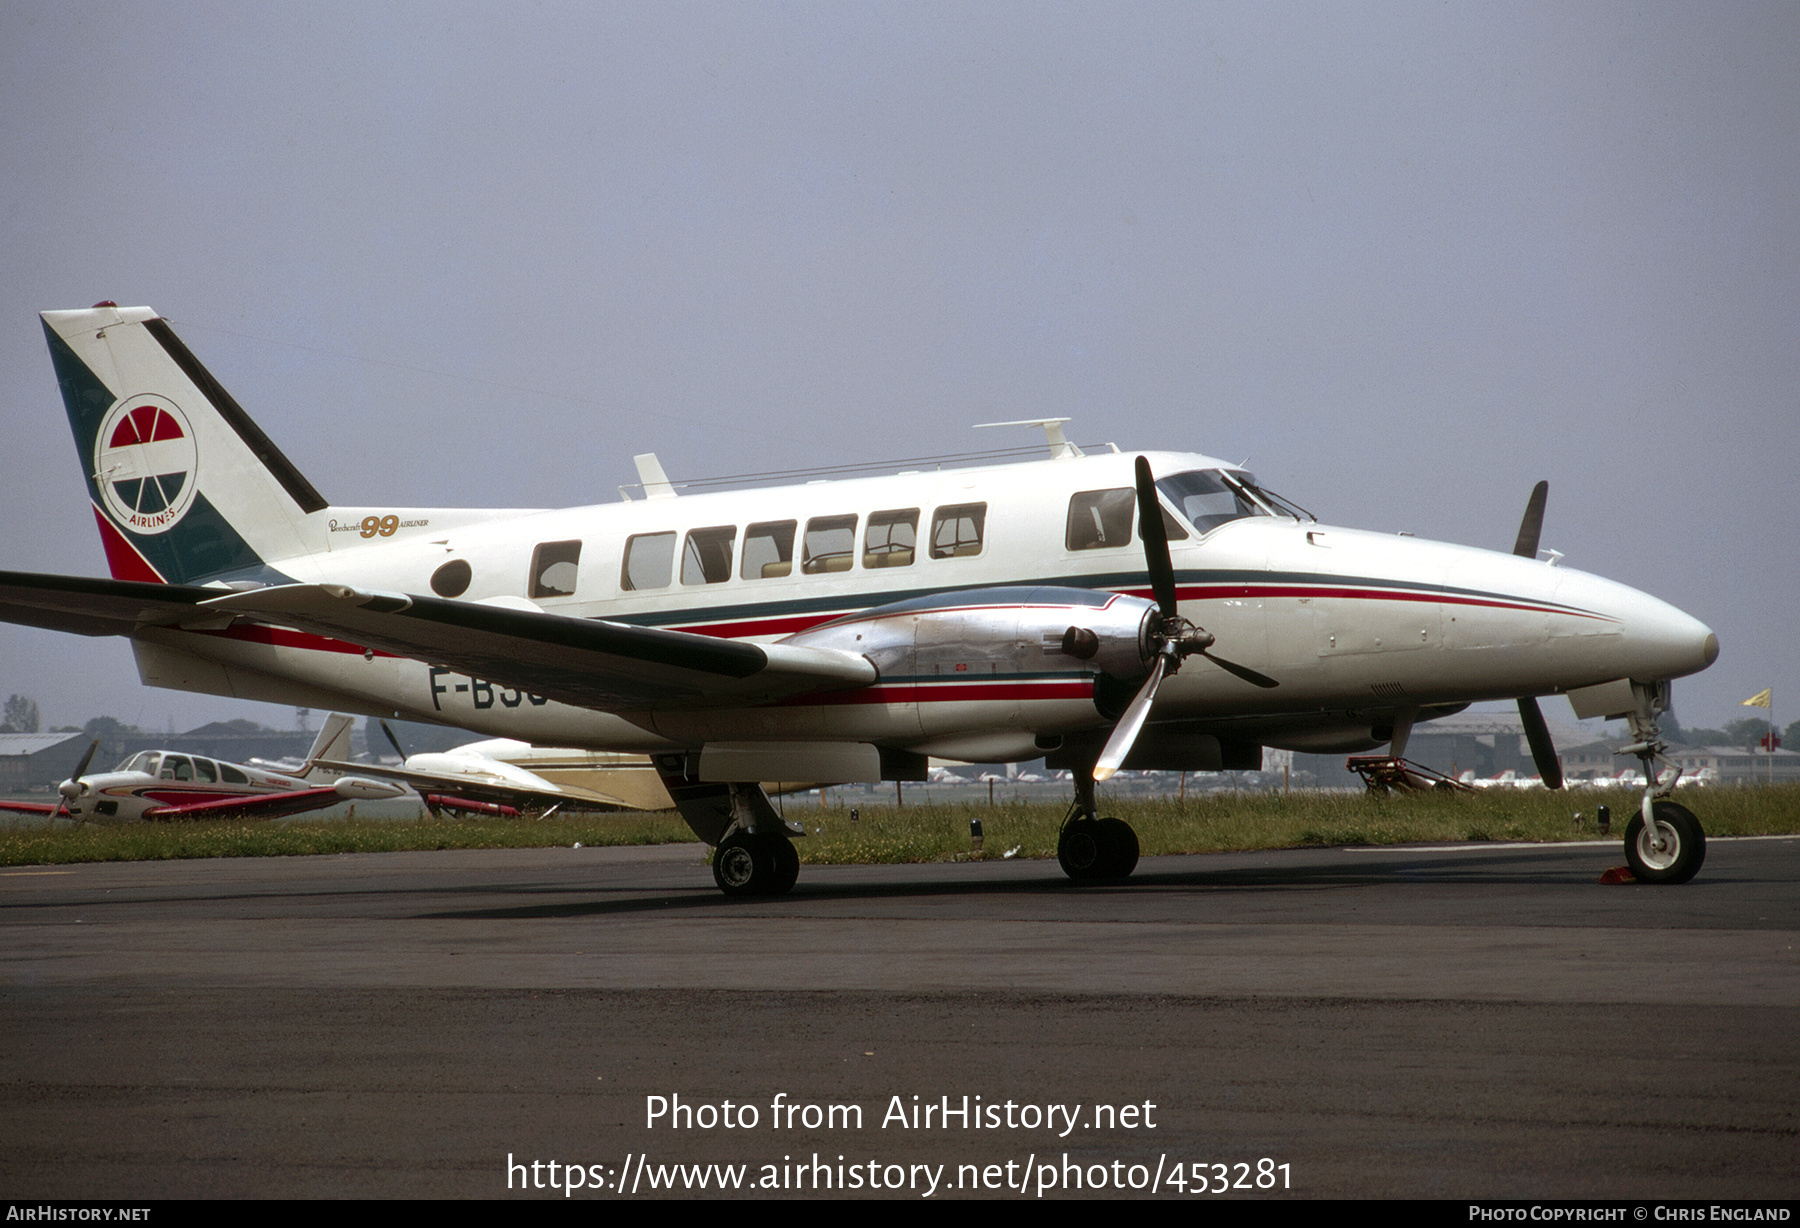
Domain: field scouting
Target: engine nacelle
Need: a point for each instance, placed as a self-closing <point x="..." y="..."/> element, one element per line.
<point x="1011" y="631"/>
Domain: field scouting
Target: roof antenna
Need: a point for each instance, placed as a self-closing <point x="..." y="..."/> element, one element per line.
<point x="656" y="482"/>
<point x="1060" y="447"/>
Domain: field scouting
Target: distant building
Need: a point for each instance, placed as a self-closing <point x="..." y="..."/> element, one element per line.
<point x="1733" y="765"/>
<point x="234" y="741"/>
<point x="38" y="760"/>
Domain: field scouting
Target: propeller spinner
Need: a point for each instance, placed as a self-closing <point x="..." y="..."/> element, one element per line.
<point x="70" y="789"/>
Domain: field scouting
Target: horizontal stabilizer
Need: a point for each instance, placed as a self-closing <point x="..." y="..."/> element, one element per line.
<point x="88" y="606"/>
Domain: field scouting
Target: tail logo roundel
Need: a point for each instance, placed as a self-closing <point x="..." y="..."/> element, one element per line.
<point x="144" y="462"/>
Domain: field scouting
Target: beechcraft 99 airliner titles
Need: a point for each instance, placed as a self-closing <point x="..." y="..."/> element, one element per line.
<point x="837" y="631"/>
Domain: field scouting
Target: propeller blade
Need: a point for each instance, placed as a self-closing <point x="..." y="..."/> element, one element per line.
<point x="1532" y="526"/>
<point x="1126" y="731"/>
<point x="70" y="789"/>
<point x="1242" y="671"/>
<point x="1156" y="541"/>
<point x="393" y="741"/>
<point x="1537" y="734"/>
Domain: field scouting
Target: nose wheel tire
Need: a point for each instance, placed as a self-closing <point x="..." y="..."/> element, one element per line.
<point x="1676" y="852"/>
<point x="1095" y="850"/>
<point x="755" y="863"/>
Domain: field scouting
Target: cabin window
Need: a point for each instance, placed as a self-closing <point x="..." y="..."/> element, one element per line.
<point x="176" y="767"/>
<point x="956" y="530"/>
<point x="830" y="544"/>
<point x="1100" y="518"/>
<point x="706" y="559"/>
<point x="769" y="550"/>
<point x="891" y="538"/>
<point x="452" y="579"/>
<point x="231" y="775"/>
<point x="649" y="561"/>
<point x="204" y="770"/>
<point x="554" y="567"/>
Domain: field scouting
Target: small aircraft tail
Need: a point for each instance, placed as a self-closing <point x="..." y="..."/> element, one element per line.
<point x="332" y="743"/>
<point x="185" y="487"/>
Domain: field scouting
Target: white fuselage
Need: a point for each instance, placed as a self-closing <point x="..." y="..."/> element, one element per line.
<point x="1344" y="620"/>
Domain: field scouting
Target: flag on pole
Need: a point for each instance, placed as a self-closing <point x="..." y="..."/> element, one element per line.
<point x="1759" y="700"/>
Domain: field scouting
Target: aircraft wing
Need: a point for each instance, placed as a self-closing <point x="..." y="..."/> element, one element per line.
<point x="258" y="805"/>
<point x="88" y="606"/>
<point x="591" y="663"/>
<point x="502" y="792"/>
<point x="33" y="808"/>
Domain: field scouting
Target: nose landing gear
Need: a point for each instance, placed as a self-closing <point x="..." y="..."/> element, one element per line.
<point x="1664" y="842"/>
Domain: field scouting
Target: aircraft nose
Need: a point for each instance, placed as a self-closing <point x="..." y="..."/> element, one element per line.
<point x="1668" y="643"/>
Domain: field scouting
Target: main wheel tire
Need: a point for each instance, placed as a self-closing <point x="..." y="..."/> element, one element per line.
<point x="1081" y="851"/>
<point x="740" y="866"/>
<point x="1122" y="845"/>
<point x="755" y="863"/>
<point x="1684" y="845"/>
<point x="785" y="859"/>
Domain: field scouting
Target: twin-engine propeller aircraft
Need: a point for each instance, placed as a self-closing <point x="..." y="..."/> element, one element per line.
<point x="844" y="630"/>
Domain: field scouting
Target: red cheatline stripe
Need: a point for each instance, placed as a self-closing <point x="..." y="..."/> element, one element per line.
<point x="789" y="624"/>
<point x="785" y="625"/>
<point x="1380" y="594"/>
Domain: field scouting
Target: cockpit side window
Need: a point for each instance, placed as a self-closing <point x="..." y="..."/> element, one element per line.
<point x="1207" y="499"/>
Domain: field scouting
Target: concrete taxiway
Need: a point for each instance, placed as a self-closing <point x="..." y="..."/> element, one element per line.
<point x="1475" y="1021"/>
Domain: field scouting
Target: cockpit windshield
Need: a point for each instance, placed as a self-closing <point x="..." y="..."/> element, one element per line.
<point x="1211" y="497"/>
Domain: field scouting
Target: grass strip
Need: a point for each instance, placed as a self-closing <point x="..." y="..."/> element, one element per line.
<point x="931" y="832"/>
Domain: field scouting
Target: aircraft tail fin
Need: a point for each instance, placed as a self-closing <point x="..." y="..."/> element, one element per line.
<point x="332" y="743"/>
<point x="185" y="487"/>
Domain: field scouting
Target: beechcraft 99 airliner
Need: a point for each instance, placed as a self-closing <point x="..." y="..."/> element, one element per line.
<point x="843" y="630"/>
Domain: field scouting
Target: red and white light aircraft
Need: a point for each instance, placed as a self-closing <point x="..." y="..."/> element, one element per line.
<point x="833" y="631"/>
<point x="165" y="785"/>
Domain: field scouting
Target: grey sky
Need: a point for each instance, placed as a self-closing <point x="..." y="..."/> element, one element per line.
<point x="1408" y="259"/>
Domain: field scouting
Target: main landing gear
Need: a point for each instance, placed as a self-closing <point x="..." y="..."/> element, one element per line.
<point x="752" y="854"/>
<point x="755" y="863"/>
<point x="1664" y="842"/>
<point x="1091" y="849"/>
